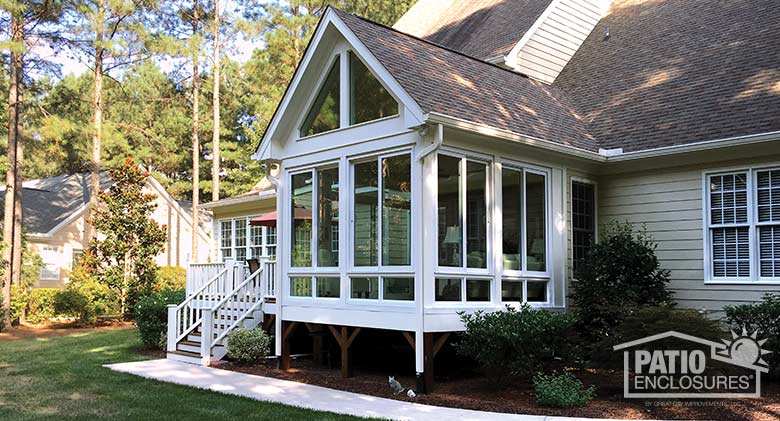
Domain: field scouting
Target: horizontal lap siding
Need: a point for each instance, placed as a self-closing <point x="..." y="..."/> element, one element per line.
<point x="669" y="204"/>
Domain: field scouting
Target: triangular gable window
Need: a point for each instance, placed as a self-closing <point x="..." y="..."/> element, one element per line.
<point x="324" y="113"/>
<point x="369" y="100"/>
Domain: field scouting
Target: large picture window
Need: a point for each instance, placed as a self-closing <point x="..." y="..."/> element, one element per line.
<point x="324" y="112"/>
<point x="368" y="99"/>
<point x="382" y="211"/>
<point x="743" y="225"/>
<point x="462" y="212"/>
<point x="315" y="192"/>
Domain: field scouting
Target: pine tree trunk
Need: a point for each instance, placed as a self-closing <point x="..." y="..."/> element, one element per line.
<point x="195" y="140"/>
<point x="215" y="162"/>
<point x="97" y="117"/>
<point x="12" y="226"/>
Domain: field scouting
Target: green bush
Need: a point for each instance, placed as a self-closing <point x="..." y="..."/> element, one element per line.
<point x="171" y="277"/>
<point x="84" y="299"/>
<point x="561" y="391"/>
<point x="620" y="274"/>
<point x="647" y="321"/>
<point x="763" y="317"/>
<point x="40" y="304"/>
<point x="151" y="315"/>
<point x="248" y="345"/>
<point x="517" y="342"/>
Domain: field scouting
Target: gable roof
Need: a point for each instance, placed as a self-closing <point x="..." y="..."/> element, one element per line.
<point x="48" y="202"/>
<point x="678" y="72"/>
<point x="450" y="83"/>
<point x="484" y="29"/>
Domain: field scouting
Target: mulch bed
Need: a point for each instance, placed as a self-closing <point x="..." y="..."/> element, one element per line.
<point x="470" y="390"/>
<point x="61" y="328"/>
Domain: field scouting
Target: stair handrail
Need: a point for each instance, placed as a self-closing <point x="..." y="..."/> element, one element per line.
<point x="207" y="344"/>
<point x="195" y="316"/>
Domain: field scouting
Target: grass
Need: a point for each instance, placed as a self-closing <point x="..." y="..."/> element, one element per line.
<point x="63" y="378"/>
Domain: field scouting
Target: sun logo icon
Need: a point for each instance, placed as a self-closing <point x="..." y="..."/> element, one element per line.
<point x="745" y="350"/>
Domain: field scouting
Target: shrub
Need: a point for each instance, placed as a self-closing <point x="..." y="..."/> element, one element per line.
<point x="248" y="345"/>
<point x="518" y="342"/>
<point x="85" y="299"/>
<point x="764" y="317"/>
<point x="151" y="315"/>
<point x="561" y="391"/>
<point x="647" y="321"/>
<point x="171" y="277"/>
<point x="40" y="304"/>
<point x="619" y="274"/>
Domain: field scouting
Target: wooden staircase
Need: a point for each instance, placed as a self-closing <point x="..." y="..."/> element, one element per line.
<point x="199" y="328"/>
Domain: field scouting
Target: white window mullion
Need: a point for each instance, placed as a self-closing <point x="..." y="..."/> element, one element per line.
<point x="523" y="223"/>
<point x="463" y="212"/>
<point x="314" y="222"/>
<point x="379" y="212"/>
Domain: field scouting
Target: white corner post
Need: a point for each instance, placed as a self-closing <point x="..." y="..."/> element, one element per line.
<point x="206" y="336"/>
<point x="171" y="339"/>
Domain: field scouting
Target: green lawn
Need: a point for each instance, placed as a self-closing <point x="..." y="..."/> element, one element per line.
<point x="63" y="378"/>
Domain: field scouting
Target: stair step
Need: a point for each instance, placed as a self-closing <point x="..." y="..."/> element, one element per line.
<point x="185" y="354"/>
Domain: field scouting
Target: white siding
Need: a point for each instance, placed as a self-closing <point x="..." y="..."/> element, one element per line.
<point x="547" y="48"/>
<point x="669" y="203"/>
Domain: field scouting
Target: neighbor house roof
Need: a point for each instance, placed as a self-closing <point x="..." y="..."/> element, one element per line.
<point x="451" y="83"/>
<point x="484" y="29"/>
<point x="678" y="72"/>
<point x="47" y="202"/>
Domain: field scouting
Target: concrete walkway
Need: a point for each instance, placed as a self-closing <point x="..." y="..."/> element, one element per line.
<point x="305" y="395"/>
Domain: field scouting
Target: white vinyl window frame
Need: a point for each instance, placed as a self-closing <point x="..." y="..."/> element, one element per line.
<point x="583" y="180"/>
<point x="50" y="267"/>
<point x="264" y="245"/>
<point x="314" y="270"/>
<point x="752" y="224"/>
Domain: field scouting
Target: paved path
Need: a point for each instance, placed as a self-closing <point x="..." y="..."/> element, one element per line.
<point x="305" y="395"/>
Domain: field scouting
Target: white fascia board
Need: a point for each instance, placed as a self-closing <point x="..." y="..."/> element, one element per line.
<point x="482" y="129"/>
<point x="238" y="200"/>
<point x="698" y="146"/>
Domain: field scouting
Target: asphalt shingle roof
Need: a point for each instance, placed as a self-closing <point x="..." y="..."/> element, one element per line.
<point x="483" y="29"/>
<point x="451" y="83"/>
<point x="678" y="71"/>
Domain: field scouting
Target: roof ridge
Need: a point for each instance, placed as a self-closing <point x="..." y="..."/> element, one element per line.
<point x="431" y="43"/>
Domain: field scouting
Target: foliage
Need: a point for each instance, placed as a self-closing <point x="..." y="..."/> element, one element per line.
<point x="151" y="315"/>
<point x="123" y="259"/>
<point x="518" y="342"/>
<point x="248" y="345"/>
<point x="40" y="304"/>
<point x="85" y="299"/>
<point x="171" y="277"/>
<point x="620" y="273"/>
<point x="647" y="321"/>
<point x="561" y="390"/>
<point x="20" y="294"/>
<point x="763" y="317"/>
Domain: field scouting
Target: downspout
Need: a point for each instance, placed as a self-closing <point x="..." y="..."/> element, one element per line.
<point x="438" y="139"/>
<point x="269" y="164"/>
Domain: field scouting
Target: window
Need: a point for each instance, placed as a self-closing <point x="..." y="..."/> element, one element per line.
<point x="368" y="99"/>
<point x="240" y="241"/>
<point x="524" y="226"/>
<point x="300" y="286"/>
<point x="324" y="112"/>
<point x="76" y="255"/>
<point x="583" y="220"/>
<point x="302" y="210"/>
<point x="458" y="289"/>
<point x="392" y="238"/>
<point x="515" y="290"/>
<point x="327" y="217"/>
<point x="743" y="225"/>
<point x="462" y="202"/>
<point x="401" y="289"/>
<point x="365" y="288"/>
<point x="50" y="265"/>
<point x="328" y="287"/>
<point x="321" y="184"/>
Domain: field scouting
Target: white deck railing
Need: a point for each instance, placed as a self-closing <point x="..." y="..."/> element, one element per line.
<point x="200" y="273"/>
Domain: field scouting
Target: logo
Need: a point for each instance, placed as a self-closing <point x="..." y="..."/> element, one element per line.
<point x="676" y="365"/>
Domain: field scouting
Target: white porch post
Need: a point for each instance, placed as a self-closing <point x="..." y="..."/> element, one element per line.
<point x="206" y="336"/>
<point x="171" y="346"/>
<point x="282" y="258"/>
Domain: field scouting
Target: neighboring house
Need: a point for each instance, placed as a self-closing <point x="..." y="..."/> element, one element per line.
<point x="54" y="220"/>
<point x="469" y="153"/>
<point x="244" y="226"/>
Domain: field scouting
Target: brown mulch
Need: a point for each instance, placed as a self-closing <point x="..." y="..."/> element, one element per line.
<point x="472" y="391"/>
<point x="60" y="328"/>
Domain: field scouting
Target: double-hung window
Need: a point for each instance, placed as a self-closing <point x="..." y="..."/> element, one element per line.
<point x="314" y="231"/>
<point x="382" y="228"/>
<point x="743" y="225"/>
<point x="583" y="221"/>
<point x="464" y="265"/>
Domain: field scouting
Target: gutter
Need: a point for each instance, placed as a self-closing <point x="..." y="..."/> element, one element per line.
<point x="269" y="163"/>
<point x="438" y="140"/>
<point x="698" y="146"/>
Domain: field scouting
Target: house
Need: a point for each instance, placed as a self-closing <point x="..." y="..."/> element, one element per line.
<point x="463" y="160"/>
<point x="55" y="213"/>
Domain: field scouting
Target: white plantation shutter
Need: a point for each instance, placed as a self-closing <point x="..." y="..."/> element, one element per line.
<point x="768" y="214"/>
<point x="730" y="228"/>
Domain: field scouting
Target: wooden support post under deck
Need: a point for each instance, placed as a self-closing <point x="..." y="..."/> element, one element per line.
<point x="287" y="330"/>
<point x="431" y="347"/>
<point x="345" y="339"/>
